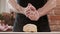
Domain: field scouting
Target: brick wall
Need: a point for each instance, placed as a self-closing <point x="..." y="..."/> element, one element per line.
<point x="54" y="17"/>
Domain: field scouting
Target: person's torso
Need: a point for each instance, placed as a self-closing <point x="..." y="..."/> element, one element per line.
<point x="36" y="3"/>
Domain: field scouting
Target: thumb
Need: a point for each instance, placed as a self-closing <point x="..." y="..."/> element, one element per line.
<point x="31" y="7"/>
<point x="29" y="4"/>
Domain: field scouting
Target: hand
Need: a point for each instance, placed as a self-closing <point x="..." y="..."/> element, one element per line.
<point x="32" y="13"/>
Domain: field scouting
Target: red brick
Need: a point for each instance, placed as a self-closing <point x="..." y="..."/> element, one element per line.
<point x="54" y="17"/>
<point x="57" y="11"/>
<point x="55" y="27"/>
<point x="54" y="22"/>
<point x="58" y="2"/>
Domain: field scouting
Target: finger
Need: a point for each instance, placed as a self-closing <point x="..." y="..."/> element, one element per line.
<point x="28" y="8"/>
<point x="31" y="7"/>
<point x="32" y="17"/>
<point x="29" y="13"/>
<point x="29" y="4"/>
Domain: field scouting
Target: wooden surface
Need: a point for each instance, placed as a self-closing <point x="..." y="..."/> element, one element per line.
<point x="31" y="33"/>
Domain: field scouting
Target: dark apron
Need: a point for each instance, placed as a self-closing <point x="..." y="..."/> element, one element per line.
<point x="21" y="20"/>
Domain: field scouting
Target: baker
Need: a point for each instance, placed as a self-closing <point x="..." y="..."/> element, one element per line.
<point x="37" y="15"/>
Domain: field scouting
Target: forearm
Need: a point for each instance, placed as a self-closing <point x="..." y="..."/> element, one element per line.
<point x="48" y="6"/>
<point x="16" y="6"/>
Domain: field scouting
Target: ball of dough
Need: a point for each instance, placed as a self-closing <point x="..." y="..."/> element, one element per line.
<point x="30" y="28"/>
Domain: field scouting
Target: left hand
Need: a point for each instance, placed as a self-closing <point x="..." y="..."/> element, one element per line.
<point x="32" y="13"/>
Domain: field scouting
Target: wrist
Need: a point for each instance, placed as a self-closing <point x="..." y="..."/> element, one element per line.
<point x="40" y="14"/>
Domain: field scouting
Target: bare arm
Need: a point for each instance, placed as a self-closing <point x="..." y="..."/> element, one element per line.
<point x="16" y="6"/>
<point x="48" y="6"/>
<point x="42" y="11"/>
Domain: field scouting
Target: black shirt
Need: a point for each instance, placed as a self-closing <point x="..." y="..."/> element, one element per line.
<point x="21" y="20"/>
<point x="36" y="3"/>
